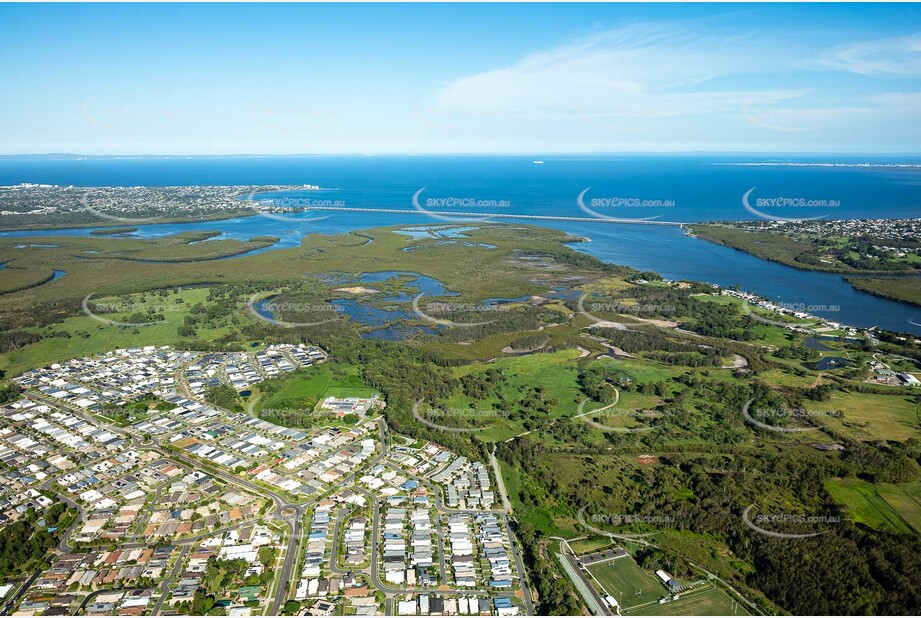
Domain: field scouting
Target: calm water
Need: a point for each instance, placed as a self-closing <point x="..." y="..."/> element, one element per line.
<point x="828" y="363"/>
<point x="380" y="318"/>
<point x="703" y="188"/>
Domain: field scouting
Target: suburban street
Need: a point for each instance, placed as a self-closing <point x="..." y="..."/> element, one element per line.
<point x="283" y="511"/>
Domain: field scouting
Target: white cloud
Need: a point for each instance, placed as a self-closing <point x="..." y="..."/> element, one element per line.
<point x="642" y="71"/>
<point x="684" y="69"/>
<point x="893" y="57"/>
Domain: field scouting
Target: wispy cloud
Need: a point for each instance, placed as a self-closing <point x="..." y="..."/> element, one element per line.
<point x="797" y="120"/>
<point x="643" y="71"/>
<point x="670" y="70"/>
<point x="897" y="56"/>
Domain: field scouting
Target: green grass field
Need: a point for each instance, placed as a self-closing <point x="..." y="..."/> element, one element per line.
<point x="905" y="498"/>
<point x="641" y="371"/>
<point x="869" y="416"/>
<point x="785" y="378"/>
<point x="558" y="374"/>
<point x="589" y="544"/>
<point x="315" y="384"/>
<point x="705" y="601"/>
<point x="553" y="371"/>
<point x="87" y="336"/>
<point x="864" y="504"/>
<point x="623" y="578"/>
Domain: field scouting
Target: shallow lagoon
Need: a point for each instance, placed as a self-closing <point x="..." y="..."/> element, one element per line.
<point x="704" y="188"/>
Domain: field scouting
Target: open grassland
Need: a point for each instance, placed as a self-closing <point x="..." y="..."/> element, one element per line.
<point x="882" y="505"/>
<point x="557" y="374"/>
<point x="633" y="411"/>
<point x="312" y="385"/>
<point x="589" y="544"/>
<point x="553" y="371"/>
<point x="488" y="347"/>
<point x="864" y="505"/>
<point x="643" y="371"/>
<point x="632" y="400"/>
<point x="772" y="335"/>
<point x="784" y="377"/>
<point x="905" y="498"/>
<point x="871" y="416"/>
<point x="84" y="335"/>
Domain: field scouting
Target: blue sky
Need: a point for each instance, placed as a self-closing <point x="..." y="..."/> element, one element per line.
<point x="236" y="78"/>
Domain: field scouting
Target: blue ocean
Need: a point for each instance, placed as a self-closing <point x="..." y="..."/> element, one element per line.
<point x="657" y="187"/>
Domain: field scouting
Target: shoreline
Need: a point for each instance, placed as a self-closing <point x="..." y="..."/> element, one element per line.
<point x="881" y="294"/>
<point x="577" y="242"/>
<point x="798" y="265"/>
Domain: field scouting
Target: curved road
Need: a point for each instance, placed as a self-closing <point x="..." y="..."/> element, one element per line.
<point x="292" y="519"/>
<point x="173" y="574"/>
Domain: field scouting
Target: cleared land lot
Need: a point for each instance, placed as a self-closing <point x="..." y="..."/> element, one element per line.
<point x="863" y="504"/>
<point x="870" y="416"/>
<point x="905" y="498"/>
<point x="306" y="388"/>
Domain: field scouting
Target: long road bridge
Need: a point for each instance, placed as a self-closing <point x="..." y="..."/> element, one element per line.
<point x="485" y="215"/>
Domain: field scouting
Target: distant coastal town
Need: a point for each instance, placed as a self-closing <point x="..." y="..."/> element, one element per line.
<point x="72" y="205"/>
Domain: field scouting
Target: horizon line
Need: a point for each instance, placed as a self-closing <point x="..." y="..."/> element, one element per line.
<point x="463" y="153"/>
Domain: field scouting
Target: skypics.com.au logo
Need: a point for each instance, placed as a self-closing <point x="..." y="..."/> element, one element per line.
<point x="139" y="314"/>
<point x="266" y="310"/>
<point x="95" y="201"/>
<point x="597" y="203"/>
<point x="454" y="309"/>
<point x="286" y="207"/>
<point x="618" y="415"/>
<point x="801" y="311"/>
<point x="751" y="416"/>
<point x="580" y="307"/>
<point x="483" y="418"/>
<point x="456" y="209"/>
<point x="761" y="523"/>
<point x="787" y="202"/>
<point x="593" y="520"/>
<point x="635" y="311"/>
